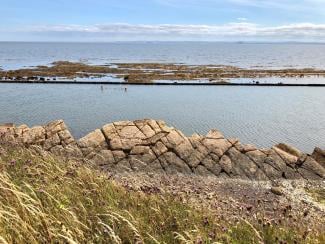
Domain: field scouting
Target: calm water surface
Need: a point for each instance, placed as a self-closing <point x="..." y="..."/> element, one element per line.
<point x="16" y="55"/>
<point x="259" y="115"/>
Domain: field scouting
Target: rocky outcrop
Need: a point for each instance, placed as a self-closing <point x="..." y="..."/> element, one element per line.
<point x="152" y="146"/>
<point x="319" y="156"/>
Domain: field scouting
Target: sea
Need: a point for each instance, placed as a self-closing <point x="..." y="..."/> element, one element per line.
<point x="262" y="116"/>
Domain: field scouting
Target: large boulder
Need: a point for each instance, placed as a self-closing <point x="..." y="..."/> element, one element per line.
<point x="94" y="141"/>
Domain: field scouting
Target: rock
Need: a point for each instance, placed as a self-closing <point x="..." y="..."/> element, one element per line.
<point x="137" y="165"/>
<point x="226" y="164"/>
<point x="115" y="144"/>
<point x="217" y="146"/>
<point x="147" y="131"/>
<point x="245" y="148"/>
<point x="72" y="151"/>
<point x="195" y="138"/>
<point x="184" y="150"/>
<point x="233" y="141"/>
<point x="275" y="160"/>
<point x="319" y="156"/>
<point x="195" y="158"/>
<point x="201" y="170"/>
<point x="123" y="166"/>
<point x="154" y="125"/>
<point x="108" y="157"/>
<point x="290" y="159"/>
<point x="173" y="164"/>
<point x="243" y="162"/>
<point x="159" y="148"/>
<point x="120" y="124"/>
<point x="291" y="174"/>
<point x="164" y="127"/>
<point x="155" y="167"/>
<point x="140" y="150"/>
<point x="93" y="142"/>
<point x="128" y="144"/>
<point x="34" y="136"/>
<point x="212" y="165"/>
<point x="109" y="131"/>
<point x="118" y="155"/>
<point x="260" y="175"/>
<point x="54" y="127"/>
<point x="151" y="146"/>
<point x="154" y="139"/>
<point x="146" y="158"/>
<point x="214" y="134"/>
<point x="271" y="172"/>
<point x="315" y="168"/>
<point x="131" y="132"/>
<point x="57" y="150"/>
<point x="257" y="157"/>
<point x="289" y="149"/>
<point x="173" y="139"/>
<point x="65" y="137"/>
<point x="54" y="140"/>
<point x="277" y="190"/>
<point x="308" y="175"/>
<point x="20" y="130"/>
<point x="94" y="139"/>
<point x="278" y="168"/>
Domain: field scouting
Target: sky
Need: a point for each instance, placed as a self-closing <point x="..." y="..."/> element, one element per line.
<point x="162" y="20"/>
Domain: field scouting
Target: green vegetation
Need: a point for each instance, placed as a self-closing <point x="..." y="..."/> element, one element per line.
<point x="43" y="199"/>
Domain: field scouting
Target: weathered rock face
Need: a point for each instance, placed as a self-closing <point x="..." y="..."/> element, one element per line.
<point x="151" y="146"/>
<point x="319" y="156"/>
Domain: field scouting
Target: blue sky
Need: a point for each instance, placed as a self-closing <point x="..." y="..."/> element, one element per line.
<point x="117" y="20"/>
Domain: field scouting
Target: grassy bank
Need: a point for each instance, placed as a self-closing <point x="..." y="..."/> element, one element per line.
<point x="43" y="199"/>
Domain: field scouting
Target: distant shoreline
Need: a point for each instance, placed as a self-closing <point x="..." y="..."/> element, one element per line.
<point x="64" y="72"/>
<point x="71" y="82"/>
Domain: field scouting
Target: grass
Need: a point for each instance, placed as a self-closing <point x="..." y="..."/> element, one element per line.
<point x="47" y="200"/>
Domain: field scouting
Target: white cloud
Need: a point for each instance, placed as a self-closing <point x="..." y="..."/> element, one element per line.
<point x="292" y="5"/>
<point x="230" y="31"/>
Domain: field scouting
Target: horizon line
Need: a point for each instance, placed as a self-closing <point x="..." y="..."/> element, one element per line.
<point x="174" y="41"/>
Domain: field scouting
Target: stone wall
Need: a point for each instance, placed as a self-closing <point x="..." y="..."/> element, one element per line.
<point x="152" y="146"/>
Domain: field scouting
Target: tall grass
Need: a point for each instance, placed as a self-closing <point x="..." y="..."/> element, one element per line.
<point x="47" y="200"/>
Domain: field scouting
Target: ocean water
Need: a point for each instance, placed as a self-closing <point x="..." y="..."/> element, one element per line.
<point x="15" y="55"/>
<point x="262" y="116"/>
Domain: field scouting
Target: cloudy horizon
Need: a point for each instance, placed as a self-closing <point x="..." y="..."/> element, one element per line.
<point x="163" y="20"/>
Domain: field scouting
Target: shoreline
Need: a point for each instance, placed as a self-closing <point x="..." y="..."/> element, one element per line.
<point x="70" y="82"/>
<point x="152" y="146"/>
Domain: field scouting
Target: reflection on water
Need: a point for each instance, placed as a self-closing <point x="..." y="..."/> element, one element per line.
<point x="259" y="115"/>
